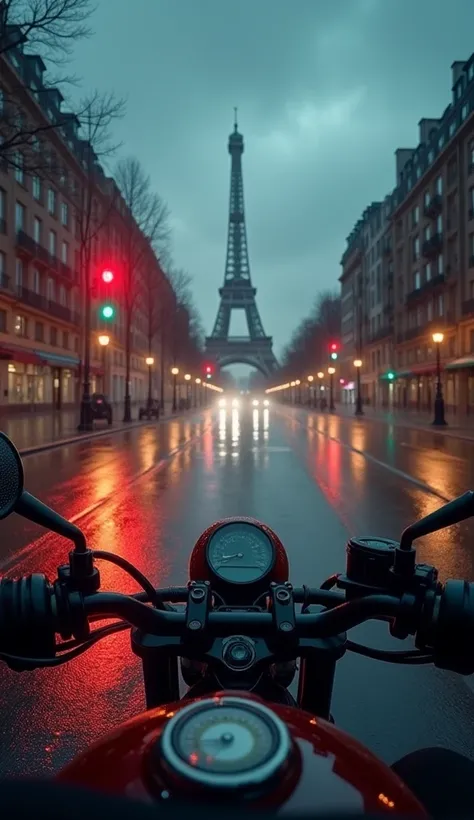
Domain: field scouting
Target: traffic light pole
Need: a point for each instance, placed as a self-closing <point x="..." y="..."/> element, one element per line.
<point x="85" y="419"/>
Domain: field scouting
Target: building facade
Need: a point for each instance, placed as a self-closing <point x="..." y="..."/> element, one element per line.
<point x="41" y="281"/>
<point x="417" y="251"/>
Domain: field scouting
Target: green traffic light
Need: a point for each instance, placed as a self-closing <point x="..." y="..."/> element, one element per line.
<point x="107" y="312"/>
<point x="390" y="376"/>
<point x="334" y="356"/>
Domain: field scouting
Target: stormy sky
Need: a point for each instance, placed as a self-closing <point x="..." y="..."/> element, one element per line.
<point x="326" y="91"/>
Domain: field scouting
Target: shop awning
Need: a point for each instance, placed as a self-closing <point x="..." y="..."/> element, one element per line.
<point x="20" y="355"/>
<point x="459" y="364"/>
<point x="56" y="360"/>
<point x="421" y="370"/>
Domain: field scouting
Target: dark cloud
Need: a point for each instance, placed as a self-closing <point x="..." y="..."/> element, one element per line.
<point x="327" y="90"/>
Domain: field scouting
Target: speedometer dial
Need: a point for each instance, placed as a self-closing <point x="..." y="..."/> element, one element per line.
<point x="240" y="553"/>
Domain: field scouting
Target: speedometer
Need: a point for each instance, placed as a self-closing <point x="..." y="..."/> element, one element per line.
<point x="240" y="553"/>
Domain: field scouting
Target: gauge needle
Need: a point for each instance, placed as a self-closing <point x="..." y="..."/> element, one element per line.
<point x="235" y="555"/>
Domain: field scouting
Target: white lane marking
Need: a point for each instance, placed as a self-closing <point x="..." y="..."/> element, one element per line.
<point x="369" y="457"/>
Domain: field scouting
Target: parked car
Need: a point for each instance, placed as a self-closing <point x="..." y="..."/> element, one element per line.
<point x="101" y="408"/>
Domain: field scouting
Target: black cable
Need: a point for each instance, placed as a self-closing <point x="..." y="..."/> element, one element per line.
<point x="407" y="656"/>
<point x="97" y="635"/>
<point x="135" y="573"/>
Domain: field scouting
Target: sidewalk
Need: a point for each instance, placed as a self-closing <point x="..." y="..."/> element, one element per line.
<point x="28" y="430"/>
<point x="457" y="427"/>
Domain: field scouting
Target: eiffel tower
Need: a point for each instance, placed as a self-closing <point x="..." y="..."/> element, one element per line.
<point x="238" y="292"/>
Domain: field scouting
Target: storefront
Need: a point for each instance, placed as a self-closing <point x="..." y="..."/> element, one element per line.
<point x="462" y="371"/>
<point x="415" y="389"/>
<point x="33" y="378"/>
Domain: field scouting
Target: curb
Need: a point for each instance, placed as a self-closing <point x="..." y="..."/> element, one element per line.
<point x="63" y="442"/>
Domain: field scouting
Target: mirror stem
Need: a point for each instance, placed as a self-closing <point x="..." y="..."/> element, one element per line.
<point x="34" y="510"/>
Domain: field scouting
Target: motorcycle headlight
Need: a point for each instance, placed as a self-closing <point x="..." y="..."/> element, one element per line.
<point x="222" y="402"/>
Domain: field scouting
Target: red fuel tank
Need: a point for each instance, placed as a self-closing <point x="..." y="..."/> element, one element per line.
<point x="234" y="746"/>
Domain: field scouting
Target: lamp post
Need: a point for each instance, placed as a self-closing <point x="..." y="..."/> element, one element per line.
<point x="310" y="382"/>
<point x="298" y="394"/>
<point x="104" y="340"/>
<point x="332" y="406"/>
<point x="150" y="362"/>
<point x="320" y="377"/>
<point x="439" y="419"/>
<point x="187" y="379"/>
<point x="197" y="398"/>
<point x="174" y="373"/>
<point x="359" y="411"/>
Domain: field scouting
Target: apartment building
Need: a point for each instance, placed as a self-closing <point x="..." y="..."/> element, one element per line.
<point x="41" y="290"/>
<point x="426" y="264"/>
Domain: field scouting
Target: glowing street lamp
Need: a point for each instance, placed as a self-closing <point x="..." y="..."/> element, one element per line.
<point x="359" y="411"/>
<point x="103" y="340"/>
<point x="174" y="373"/>
<point x="320" y="375"/>
<point x="149" y="361"/>
<point x="439" y="419"/>
<point x="332" y="406"/>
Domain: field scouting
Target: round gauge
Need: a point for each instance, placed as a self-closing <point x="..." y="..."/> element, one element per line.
<point x="240" y="553"/>
<point x="225" y="742"/>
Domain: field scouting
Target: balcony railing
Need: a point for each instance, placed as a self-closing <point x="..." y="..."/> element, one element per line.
<point x="427" y="287"/>
<point x="426" y="328"/>
<point x="49" y="306"/>
<point x="434" y="206"/>
<point x="37" y="252"/>
<point x="433" y="246"/>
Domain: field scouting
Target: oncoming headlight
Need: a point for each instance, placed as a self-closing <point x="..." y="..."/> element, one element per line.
<point x="222" y="402"/>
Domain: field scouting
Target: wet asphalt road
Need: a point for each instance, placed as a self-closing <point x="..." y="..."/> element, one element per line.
<point x="148" y="493"/>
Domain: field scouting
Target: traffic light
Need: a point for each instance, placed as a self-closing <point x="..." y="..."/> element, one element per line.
<point x="208" y="370"/>
<point x="390" y="376"/>
<point x="333" y="350"/>
<point x="107" y="310"/>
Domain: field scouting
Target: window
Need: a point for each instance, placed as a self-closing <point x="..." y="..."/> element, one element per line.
<point x="52" y="243"/>
<point x="20" y="325"/>
<point x="427" y="199"/>
<point x="36" y="281"/>
<point x="439" y="223"/>
<point x="62" y="296"/>
<point x="65" y="340"/>
<point x="2" y="100"/>
<point x="19" y="163"/>
<point x="464" y="111"/>
<point x="427" y="233"/>
<point x="51" y="201"/>
<point x="64" y="214"/>
<point x="441" y="304"/>
<point x="439" y="186"/>
<point x="417" y="280"/>
<point x="20" y="212"/>
<point x="471" y="153"/>
<point x="416" y="248"/>
<point x="3" y="259"/>
<point x="64" y="252"/>
<point x="440" y="264"/>
<point x="39" y="332"/>
<point x="37" y="230"/>
<point x="50" y="290"/>
<point x="428" y="272"/>
<point x="19" y="273"/>
<point x="37" y="188"/>
<point x="452" y="127"/>
<point x="3" y="321"/>
<point x="415" y="215"/>
<point x="471" y="244"/>
<point x="430" y="311"/>
<point x="3" y="204"/>
<point x="53" y="336"/>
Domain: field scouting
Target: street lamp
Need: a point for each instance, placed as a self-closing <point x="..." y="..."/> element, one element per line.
<point x="298" y="395"/>
<point x="174" y="373"/>
<point x="310" y="381"/>
<point x="332" y="406"/>
<point x="359" y="409"/>
<point x="150" y="362"/>
<point x="439" y="419"/>
<point x="187" y="379"/>
<point x="103" y="340"/>
<point x="196" y="389"/>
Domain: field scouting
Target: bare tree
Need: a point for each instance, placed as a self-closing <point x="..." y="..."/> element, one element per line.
<point x="35" y="30"/>
<point x="310" y="341"/>
<point x="145" y="227"/>
<point x="185" y="342"/>
<point x="93" y="203"/>
<point x="49" y="27"/>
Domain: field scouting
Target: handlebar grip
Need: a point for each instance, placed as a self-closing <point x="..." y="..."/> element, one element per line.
<point x="27" y="618"/>
<point x="452" y="628"/>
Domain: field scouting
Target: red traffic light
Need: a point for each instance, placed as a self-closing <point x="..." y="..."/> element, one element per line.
<point x="208" y="368"/>
<point x="333" y="347"/>
<point x="107" y="276"/>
